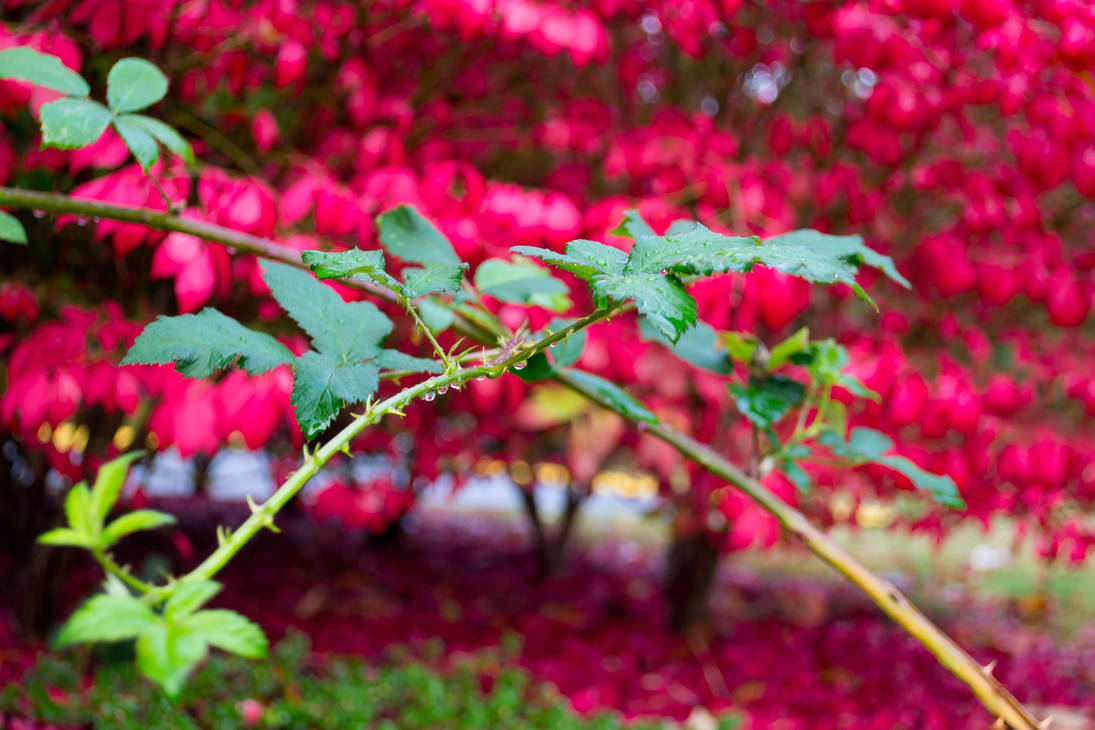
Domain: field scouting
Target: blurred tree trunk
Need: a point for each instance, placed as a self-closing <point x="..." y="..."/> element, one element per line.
<point x="690" y="571"/>
<point x="551" y="549"/>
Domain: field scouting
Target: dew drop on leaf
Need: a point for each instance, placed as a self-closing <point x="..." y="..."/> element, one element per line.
<point x="429" y="396"/>
<point x="520" y="365"/>
<point x="442" y="389"/>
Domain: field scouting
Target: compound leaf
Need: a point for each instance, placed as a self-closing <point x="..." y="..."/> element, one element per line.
<point x="200" y="344"/>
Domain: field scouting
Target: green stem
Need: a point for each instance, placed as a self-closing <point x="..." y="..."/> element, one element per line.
<point x="263" y="515"/>
<point x="111" y="568"/>
<point x="413" y="311"/>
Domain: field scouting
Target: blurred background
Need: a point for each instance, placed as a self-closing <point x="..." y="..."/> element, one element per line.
<point x="515" y="518"/>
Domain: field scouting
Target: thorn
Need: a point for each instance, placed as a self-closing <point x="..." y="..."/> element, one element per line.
<point x="999" y="724"/>
<point x="304" y="450"/>
<point x="1044" y="724"/>
<point x="989" y="667"/>
<point x="346" y="449"/>
<point x="269" y="524"/>
<point x="396" y="412"/>
<point x="251" y="505"/>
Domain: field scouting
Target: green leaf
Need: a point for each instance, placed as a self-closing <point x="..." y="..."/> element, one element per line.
<point x="795" y="473"/>
<point x="203" y="343"/>
<point x="11" y="229"/>
<point x="582" y="258"/>
<point x="355" y="262"/>
<point x="566" y="352"/>
<point x="765" y="402"/>
<point x="941" y="488"/>
<point x="521" y="282"/>
<point x="127" y="524"/>
<point x="536" y="368"/>
<point x="405" y="233"/>
<point x="697" y="345"/>
<point x="23" y="63"/>
<point x="189" y="596"/>
<point x="432" y="280"/>
<point x="612" y="395"/>
<point x="166" y="654"/>
<point x="349" y="331"/>
<point x="793" y="345"/>
<point x="836" y="417"/>
<point x="435" y="315"/>
<point x="108" y="484"/>
<point x="78" y="511"/>
<point x="865" y="445"/>
<point x="662" y="299"/>
<point x="133" y="84"/>
<point x="740" y="346"/>
<point x="812" y="255"/>
<point x="229" y="631"/>
<point x="107" y="617"/>
<point x="396" y="360"/>
<point x="72" y="123"/>
<point x="324" y="384"/>
<point x="634" y="226"/>
<point x="66" y="536"/>
<point x="165" y="134"/>
<point x="138" y="140"/>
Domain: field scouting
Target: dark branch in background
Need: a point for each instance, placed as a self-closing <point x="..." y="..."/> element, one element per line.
<point x="992" y="694"/>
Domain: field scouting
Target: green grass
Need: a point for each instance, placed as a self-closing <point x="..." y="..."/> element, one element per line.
<point x="291" y="690"/>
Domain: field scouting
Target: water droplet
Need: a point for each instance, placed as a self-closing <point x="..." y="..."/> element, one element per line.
<point x="553" y="344"/>
<point x="481" y="378"/>
<point x="520" y="365"/>
<point x="442" y="389"/>
<point x="39" y="214"/>
<point x="429" y="396"/>
<point x="81" y="221"/>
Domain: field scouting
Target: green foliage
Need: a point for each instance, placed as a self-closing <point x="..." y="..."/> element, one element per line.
<point x="73" y="123"/>
<point x="23" y="63"/>
<point x="566" y="352"/>
<point x="203" y="343"/>
<point x="106" y="617"/>
<point x="407" y="234"/>
<point x="440" y="279"/>
<point x="11" y="229"/>
<point x="652" y="274"/>
<point x="613" y="395"/>
<point x="138" y="139"/>
<point x="698" y="345"/>
<point x="133" y="84"/>
<point x="86" y="511"/>
<point x="347" y="336"/>
<point x="865" y="446"/>
<point x="521" y="282"/>
<point x="76" y="121"/>
<point x="291" y="690"/>
<point x="171" y="644"/>
<point x="765" y="401"/>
